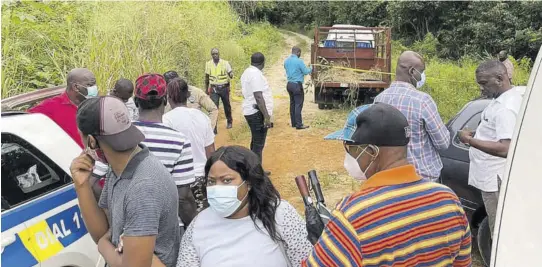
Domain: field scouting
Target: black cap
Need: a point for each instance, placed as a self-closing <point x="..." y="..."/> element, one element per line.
<point x="381" y="125"/>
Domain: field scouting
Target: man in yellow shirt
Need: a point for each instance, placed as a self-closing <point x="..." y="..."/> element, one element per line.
<point x="218" y="73"/>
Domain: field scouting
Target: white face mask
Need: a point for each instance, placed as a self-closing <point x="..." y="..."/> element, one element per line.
<point x="352" y="166"/>
<point x="223" y="199"/>
<point x="421" y="82"/>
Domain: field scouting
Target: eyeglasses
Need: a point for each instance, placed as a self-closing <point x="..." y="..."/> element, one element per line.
<point x="348" y="146"/>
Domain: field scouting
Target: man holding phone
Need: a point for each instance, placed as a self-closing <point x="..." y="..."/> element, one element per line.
<point x="489" y="147"/>
<point x="133" y="223"/>
<point x="257" y="103"/>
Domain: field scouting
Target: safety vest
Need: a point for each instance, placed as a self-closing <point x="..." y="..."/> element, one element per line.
<point x="218" y="74"/>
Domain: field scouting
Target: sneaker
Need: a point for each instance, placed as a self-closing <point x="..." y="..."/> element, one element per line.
<point x="229" y="126"/>
<point x="302" y="127"/>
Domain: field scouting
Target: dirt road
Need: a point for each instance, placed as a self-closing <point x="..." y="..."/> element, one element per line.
<point x="290" y="152"/>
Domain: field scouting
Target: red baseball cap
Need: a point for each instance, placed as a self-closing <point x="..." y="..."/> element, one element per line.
<point x="151" y="86"/>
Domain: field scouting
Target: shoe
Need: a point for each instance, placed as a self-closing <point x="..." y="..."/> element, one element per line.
<point x="267" y="173"/>
<point x="229" y="126"/>
<point x="302" y="127"/>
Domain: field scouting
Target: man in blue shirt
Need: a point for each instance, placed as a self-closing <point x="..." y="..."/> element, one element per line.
<point x="295" y="72"/>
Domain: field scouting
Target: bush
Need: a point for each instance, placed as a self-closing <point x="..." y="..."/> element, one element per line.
<point x="123" y="39"/>
<point x="452" y="83"/>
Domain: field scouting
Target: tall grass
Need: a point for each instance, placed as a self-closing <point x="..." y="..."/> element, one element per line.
<point x="453" y="83"/>
<point x="126" y="39"/>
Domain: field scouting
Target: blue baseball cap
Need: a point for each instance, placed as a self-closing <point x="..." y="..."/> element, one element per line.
<point x="350" y="126"/>
<point x="377" y="124"/>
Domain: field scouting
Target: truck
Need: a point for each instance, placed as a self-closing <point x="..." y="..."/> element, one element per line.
<point x="350" y="63"/>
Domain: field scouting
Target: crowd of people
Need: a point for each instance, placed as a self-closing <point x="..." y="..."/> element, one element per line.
<point x="154" y="192"/>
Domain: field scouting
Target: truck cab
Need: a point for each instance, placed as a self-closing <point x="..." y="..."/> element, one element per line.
<point x="342" y="36"/>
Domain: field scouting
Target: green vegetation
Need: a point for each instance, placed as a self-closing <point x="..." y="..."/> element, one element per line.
<point x="452" y="83"/>
<point x="41" y="42"/>
<point x="461" y="28"/>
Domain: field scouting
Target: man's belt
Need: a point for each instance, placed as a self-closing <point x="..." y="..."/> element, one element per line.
<point x="220" y="86"/>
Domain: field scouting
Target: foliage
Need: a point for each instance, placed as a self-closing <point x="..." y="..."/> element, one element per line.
<point x="40" y="42"/>
<point x="452" y="83"/>
<point x="462" y="28"/>
<point x="123" y="39"/>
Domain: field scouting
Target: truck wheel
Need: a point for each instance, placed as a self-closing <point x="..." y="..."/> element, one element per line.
<point x="321" y="106"/>
<point x="484" y="241"/>
<point x="368" y="99"/>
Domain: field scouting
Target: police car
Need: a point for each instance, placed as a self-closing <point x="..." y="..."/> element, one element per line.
<point x="41" y="221"/>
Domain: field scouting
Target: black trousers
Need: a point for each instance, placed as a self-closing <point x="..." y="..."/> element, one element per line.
<point x="258" y="131"/>
<point x="297" y="97"/>
<point x="223" y="93"/>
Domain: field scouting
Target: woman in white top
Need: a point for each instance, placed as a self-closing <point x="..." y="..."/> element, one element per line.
<point x="196" y="126"/>
<point x="247" y="223"/>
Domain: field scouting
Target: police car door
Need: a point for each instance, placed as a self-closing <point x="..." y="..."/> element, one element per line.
<point x="41" y="221"/>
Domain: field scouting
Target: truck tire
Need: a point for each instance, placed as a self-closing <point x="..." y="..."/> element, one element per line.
<point x="321" y="106"/>
<point x="368" y="98"/>
<point x="483" y="239"/>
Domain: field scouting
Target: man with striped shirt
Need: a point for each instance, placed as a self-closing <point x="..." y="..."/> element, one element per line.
<point x="396" y="218"/>
<point x="171" y="147"/>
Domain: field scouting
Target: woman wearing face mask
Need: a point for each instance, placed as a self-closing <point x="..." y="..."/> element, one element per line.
<point x="247" y="223"/>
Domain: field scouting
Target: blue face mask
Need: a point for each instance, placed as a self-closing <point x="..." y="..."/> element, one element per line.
<point x="223" y="199"/>
<point x="92" y="91"/>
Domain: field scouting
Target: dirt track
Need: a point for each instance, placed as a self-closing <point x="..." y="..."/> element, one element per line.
<point x="290" y="152"/>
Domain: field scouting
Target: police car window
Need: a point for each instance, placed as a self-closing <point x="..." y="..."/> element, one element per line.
<point x="26" y="172"/>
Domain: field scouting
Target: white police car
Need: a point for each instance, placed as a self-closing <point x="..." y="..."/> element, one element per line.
<point x="41" y="220"/>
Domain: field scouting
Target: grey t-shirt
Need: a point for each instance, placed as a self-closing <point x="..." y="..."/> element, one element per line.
<point x="144" y="202"/>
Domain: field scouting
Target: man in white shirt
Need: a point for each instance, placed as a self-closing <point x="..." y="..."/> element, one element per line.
<point x="489" y="145"/>
<point x="196" y="126"/>
<point x="257" y="103"/>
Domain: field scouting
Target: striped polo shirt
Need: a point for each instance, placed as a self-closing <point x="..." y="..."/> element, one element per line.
<point x="396" y="219"/>
<point x="172" y="148"/>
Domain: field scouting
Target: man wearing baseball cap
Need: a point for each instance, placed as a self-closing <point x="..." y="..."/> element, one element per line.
<point x="133" y="220"/>
<point x="171" y="147"/>
<point x="396" y="218"/>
